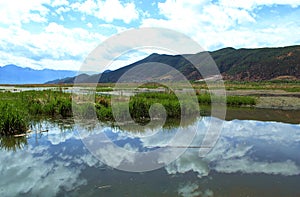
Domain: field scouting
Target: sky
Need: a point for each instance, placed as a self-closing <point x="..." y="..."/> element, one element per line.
<point x="59" y="34"/>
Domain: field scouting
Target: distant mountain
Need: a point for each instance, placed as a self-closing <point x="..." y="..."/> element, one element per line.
<point x="234" y="64"/>
<point x="12" y="74"/>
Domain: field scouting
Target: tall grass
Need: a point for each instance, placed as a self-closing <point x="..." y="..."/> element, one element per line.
<point x="140" y="104"/>
<point x="12" y="120"/>
<point x="18" y="108"/>
<point x="49" y="103"/>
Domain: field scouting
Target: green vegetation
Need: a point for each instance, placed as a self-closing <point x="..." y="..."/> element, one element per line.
<point x="19" y="108"/>
<point x="230" y="100"/>
<point x="13" y="119"/>
<point x="104" y="89"/>
<point x="240" y="100"/>
<point x="139" y="106"/>
<point x="285" y="85"/>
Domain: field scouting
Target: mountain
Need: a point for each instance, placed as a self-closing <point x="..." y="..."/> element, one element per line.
<point x="12" y="74"/>
<point x="234" y="64"/>
<point x="258" y="64"/>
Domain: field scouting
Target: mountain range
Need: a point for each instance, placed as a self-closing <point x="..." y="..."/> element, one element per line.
<point x="234" y="64"/>
<point x="12" y="74"/>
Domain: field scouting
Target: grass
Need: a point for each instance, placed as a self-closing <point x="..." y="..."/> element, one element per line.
<point x="17" y="109"/>
<point x="240" y="101"/>
<point x="104" y="89"/>
<point x="286" y="85"/>
<point x="13" y="119"/>
<point x="234" y="101"/>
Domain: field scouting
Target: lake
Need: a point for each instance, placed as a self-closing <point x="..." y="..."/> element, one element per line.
<point x="250" y="158"/>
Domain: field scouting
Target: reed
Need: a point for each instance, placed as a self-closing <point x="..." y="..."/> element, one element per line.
<point x="17" y="109"/>
<point x="13" y="119"/>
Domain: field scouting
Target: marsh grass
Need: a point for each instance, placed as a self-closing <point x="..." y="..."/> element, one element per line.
<point x="13" y="119"/>
<point x="235" y="101"/>
<point x="140" y="104"/>
<point x="18" y="108"/>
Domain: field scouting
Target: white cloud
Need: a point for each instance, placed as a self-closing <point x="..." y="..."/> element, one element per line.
<point x="22" y="61"/>
<point x="57" y="3"/>
<point x="15" y="12"/>
<point x="225" y="23"/>
<point x="113" y="9"/>
<point x="56" y="46"/>
<point x="198" y="19"/>
<point x="108" y="10"/>
<point x="61" y="18"/>
<point x="251" y="4"/>
<point x="87" y="7"/>
<point x="90" y="25"/>
<point x="62" y="10"/>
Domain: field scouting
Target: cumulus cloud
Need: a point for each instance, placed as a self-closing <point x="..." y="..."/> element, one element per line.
<point x="56" y="3"/>
<point x="252" y="4"/>
<point x="108" y="10"/>
<point x="225" y="23"/>
<point x="56" y="46"/>
<point x="16" y="12"/>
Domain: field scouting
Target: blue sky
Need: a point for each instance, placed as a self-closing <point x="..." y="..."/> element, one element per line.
<point x="59" y="34"/>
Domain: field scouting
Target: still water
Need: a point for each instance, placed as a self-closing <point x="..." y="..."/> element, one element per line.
<point x="250" y="158"/>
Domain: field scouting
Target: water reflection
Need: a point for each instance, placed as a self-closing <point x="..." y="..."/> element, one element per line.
<point x="11" y="143"/>
<point x="250" y="158"/>
<point x="38" y="128"/>
<point x="192" y="189"/>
